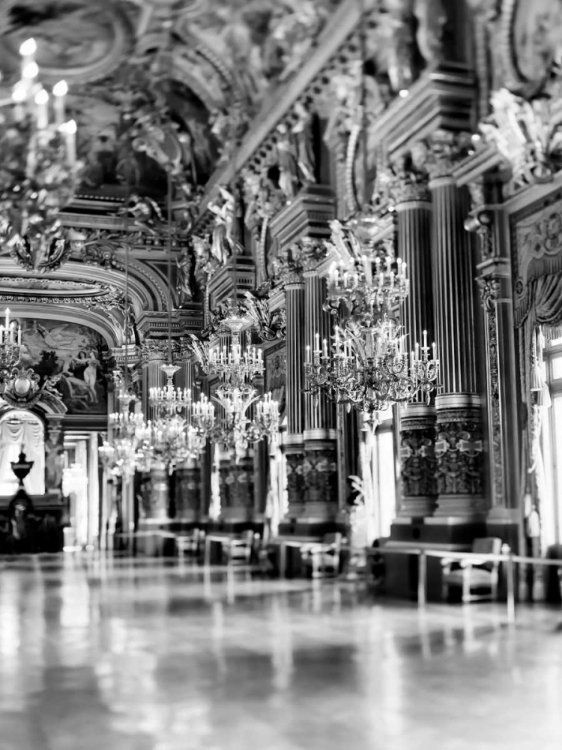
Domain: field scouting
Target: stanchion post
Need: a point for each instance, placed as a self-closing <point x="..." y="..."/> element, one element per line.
<point x="422" y="575"/>
<point x="510" y="588"/>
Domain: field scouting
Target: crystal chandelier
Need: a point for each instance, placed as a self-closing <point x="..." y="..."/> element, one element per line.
<point x="237" y="429"/>
<point x="366" y="365"/>
<point x="10" y="345"/>
<point x="234" y="363"/>
<point x="173" y="435"/>
<point x="119" y="452"/>
<point x="39" y="171"/>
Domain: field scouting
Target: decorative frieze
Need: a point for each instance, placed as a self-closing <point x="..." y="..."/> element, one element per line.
<point x="295" y="480"/>
<point x="319" y="476"/>
<point x="417" y="461"/>
<point x="459" y="453"/>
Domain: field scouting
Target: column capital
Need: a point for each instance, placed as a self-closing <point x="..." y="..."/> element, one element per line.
<point x="439" y="153"/>
<point x="302" y="256"/>
<point x="407" y="184"/>
<point x="156" y="350"/>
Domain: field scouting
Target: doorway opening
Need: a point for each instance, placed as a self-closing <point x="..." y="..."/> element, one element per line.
<point x="21" y="429"/>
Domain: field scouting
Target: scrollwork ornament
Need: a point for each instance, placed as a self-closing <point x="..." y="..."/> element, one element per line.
<point x="268" y="325"/>
<point x="526" y="135"/>
<point x="490" y="289"/>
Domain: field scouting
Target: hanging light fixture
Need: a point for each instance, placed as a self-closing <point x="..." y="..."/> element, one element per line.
<point x="171" y="436"/>
<point x="233" y="363"/>
<point x="366" y="363"/>
<point x="236" y="429"/>
<point x="10" y="345"/>
<point x="119" y="451"/>
<point x="39" y="171"/>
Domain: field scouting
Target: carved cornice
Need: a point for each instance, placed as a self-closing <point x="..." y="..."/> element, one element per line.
<point x="105" y="298"/>
<point x="258" y="141"/>
<point x="442" y="99"/>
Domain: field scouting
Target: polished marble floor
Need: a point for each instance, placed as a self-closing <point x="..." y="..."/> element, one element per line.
<point x="115" y="654"/>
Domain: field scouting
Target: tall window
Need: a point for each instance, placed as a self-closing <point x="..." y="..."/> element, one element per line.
<point x="378" y="466"/>
<point x="552" y="446"/>
<point x="22" y="430"/>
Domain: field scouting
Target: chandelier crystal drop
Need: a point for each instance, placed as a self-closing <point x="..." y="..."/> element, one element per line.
<point x="40" y="172"/>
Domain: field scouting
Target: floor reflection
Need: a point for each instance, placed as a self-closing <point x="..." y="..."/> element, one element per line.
<point x="118" y="654"/>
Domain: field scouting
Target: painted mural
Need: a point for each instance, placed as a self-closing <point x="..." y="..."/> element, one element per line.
<point x="77" y="354"/>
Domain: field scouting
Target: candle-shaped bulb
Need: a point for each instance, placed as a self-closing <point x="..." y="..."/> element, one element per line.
<point x="60" y="89"/>
<point x="42" y="112"/>
<point x="68" y="129"/>
<point x="28" y="48"/>
<point x="41" y="97"/>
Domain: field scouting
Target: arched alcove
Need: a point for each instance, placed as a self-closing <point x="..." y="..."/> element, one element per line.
<point x="21" y="429"/>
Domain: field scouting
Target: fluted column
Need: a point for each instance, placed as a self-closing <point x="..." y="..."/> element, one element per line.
<point x="294" y="444"/>
<point x="320" y="454"/>
<point x="261" y="459"/>
<point x="417" y="420"/>
<point x="459" y="447"/>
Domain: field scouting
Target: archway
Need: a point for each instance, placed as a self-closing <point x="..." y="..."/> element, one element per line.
<point x="21" y="429"/>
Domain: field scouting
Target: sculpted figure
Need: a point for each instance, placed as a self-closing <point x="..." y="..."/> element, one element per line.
<point x="183" y="283"/>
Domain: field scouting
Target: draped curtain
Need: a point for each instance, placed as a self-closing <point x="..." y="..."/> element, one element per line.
<point x="14" y="435"/>
<point x="540" y="319"/>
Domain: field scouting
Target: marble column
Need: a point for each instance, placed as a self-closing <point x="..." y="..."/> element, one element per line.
<point x="417" y="420"/>
<point x="459" y="445"/>
<point x="158" y="500"/>
<point x="294" y="442"/>
<point x="188" y="491"/>
<point x="320" y="448"/>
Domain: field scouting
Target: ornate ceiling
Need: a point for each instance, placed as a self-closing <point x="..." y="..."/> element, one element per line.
<point x="157" y="88"/>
